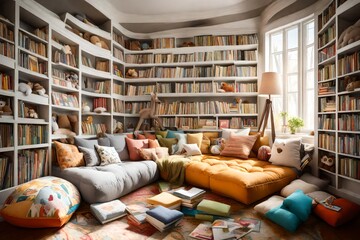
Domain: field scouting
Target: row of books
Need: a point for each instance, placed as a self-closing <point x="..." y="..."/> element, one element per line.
<point x="327" y="105"/>
<point x="102" y="87"/>
<point x="327" y="36"/>
<point x="349" y="122"/>
<point x="63" y="99"/>
<point x="350" y="167"/>
<point x="326" y="88"/>
<point x="349" y="103"/>
<point x="135" y="107"/>
<point x="68" y="59"/>
<point x="36" y="47"/>
<point x="139" y="90"/>
<point x="168" y="122"/>
<point x="6" y="172"/>
<point x="327" y="53"/>
<point x="327" y="72"/>
<point x="235" y="55"/>
<point x="326" y="122"/>
<point x="119" y="39"/>
<point x="186" y="123"/>
<point x="118" y="54"/>
<point x="7" y="49"/>
<point x="6" y="135"/>
<point x="203" y="56"/>
<point x="6" y="81"/>
<point x="349" y="144"/>
<point x="163" y="43"/>
<point x="325" y="16"/>
<point x="31" y="62"/>
<point x="146" y="73"/>
<point x="118" y="88"/>
<point x="349" y="63"/>
<point x="327" y="141"/>
<point x="100" y="102"/>
<point x="246" y="87"/>
<point x="118" y="106"/>
<point x="93" y="128"/>
<point x="41" y="33"/>
<point x="32" y="134"/>
<point x="102" y="65"/>
<point x="209" y="40"/>
<point x="32" y="164"/>
<point x="171" y="58"/>
<point x="23" y="109"/>
<point x="5" y="32"/>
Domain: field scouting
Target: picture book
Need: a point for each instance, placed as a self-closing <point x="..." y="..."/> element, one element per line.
<point x="202" y="231"/>
<point x="165" y="199"/>
<point x="137" y="211"/>
<point x="108" y="211"/>
<point x="190" y="193"/>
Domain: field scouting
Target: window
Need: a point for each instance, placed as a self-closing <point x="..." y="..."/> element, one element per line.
<point x="290" y="52"/>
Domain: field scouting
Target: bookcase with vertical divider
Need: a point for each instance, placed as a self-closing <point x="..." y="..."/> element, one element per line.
<point x="338" y="103"/>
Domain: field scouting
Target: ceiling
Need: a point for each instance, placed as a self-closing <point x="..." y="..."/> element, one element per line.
<point x="149" y="16"/>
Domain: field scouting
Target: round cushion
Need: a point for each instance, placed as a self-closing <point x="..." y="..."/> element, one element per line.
<point x="264" y="153"/>
<point x="43" y="202"/>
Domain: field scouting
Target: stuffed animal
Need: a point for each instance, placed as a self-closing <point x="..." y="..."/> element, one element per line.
<point x="131" y="73"/>
<point x="67" y="125"/>
<point x="227" y="87"/>
<point x="100" y="110"/>
<point x="351" y="83"/>
<point x="33" y="113"/>
<point x="73" y="78"/>
<point x="188" y="44"/>
<point x="350" y="35"/>
<point x="67" y="49"/>
<point x="98" y="42"/>
<point x="264" y="153"/>
<point x="26" y="88"/>
<point x="118" y="127"/>
<point x="54" y="124"/>
<point x="328" y="163"/>
<point x="37" y="88"/>
<point x="85" y="107"/>
<point x="5" y="109"/>
<point x="135" y="45"/>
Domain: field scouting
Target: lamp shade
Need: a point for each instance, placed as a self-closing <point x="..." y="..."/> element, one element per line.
<point x="270" y="84"/>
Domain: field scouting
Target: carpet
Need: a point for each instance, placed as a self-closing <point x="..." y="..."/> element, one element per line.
<point x="84" y="226"/>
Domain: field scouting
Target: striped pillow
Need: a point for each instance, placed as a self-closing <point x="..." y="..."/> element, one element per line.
<point x="239" y="146"/>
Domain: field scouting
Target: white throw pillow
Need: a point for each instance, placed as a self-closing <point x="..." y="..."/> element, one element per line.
<point x="272" y="202"/>
<point x="226" y="132"/>
<point x="298" y="184"/>
<point x="182" y="139"/>
<point x="192" y="149"/>
<point x="108" y="155"/>
<point x="286" y="152"/>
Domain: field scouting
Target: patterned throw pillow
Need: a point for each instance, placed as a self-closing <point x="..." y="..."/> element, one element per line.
<point x="108" y="155"/>
<point x="68" y="155"/>
<point x="239" y="146"/>
<point x="148" y="153"/>
<point x="43" y="202"/>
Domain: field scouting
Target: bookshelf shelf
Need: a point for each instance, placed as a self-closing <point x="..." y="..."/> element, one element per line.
<point x="331" y="42"/>
<point x="94" y="94"/>
<point x="27" y="74"/>
<point x="328" y="61"/>
<point x="7" y="149"/>
<point x="7" y="62"/>
<point x="327" y="171"/>
<point x="32" y="121"/>
<point x="349" y="155"/>
<point x="7" y="119"/>
<point x="327" y="24"/>
<point x="33" y="36"/>
<point x="352" y="47"/>
<point x="92" y="72"/>
<point x="8" y="93"/>
<point x="63" y="88"/>
<point x="32" y="146"/>
<point x="95" y="114"/>
<point x="6" y="40"/>
<point x="34" y="98"/>
<point x="66" y="108"/>
<point x="64" y="67"/>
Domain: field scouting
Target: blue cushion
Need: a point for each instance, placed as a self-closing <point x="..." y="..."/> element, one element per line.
<point x="284" y="218"/>
<point x="299" y="204"/>
<point x="171" y="133"/>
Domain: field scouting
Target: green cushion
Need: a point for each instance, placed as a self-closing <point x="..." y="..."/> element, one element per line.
<point x="168" y="142"/>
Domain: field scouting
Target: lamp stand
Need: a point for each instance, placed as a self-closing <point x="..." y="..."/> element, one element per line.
<point x="264" y="119"/>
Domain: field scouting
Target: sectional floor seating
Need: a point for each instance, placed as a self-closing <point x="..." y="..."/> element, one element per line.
<point x="244" y="180"/>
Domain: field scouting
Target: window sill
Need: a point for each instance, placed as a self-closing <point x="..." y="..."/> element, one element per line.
<point x="307" y="138"/>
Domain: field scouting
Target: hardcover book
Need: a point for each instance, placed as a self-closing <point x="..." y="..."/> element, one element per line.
<point x="163" y="218"/>
<point x="108" y="211"/>
<point x="214" y="207"/>
<point x="137" y="212"/>
<point x="202" y="231"/>
<point x="192" y="193"/>
<point x="165" y="199"/>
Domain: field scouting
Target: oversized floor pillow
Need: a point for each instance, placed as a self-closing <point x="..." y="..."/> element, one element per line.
<point x="43" y="202"/>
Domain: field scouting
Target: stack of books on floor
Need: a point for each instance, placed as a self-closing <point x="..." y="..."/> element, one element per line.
<point x="108" y="211"/>
<point x="210" y="210"/>
<point x="165" y="199"/>
<point x="136" y="213"/>
<point x="163" y="218"/>
<point x="191" y="197"/>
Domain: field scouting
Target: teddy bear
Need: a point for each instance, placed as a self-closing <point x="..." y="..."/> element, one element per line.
<point x="26" y="88"/>
<point x="98" y="42"/>
<point x="328" y="163"/>
<point x="351" y="83"/>
<point x="350" y="35"/>
<point x="131" y="73"/>
<point x="4" y="108"/>
<point x="33" y="113"/>
<point x="227" y="87"/>
<point x="37" y="88"/>
<point x="67" y="125"/>
<point x="135" y="45"/>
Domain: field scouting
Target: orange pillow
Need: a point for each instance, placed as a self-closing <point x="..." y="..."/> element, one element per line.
<point x="349" y="210"/>
<point x="68" y="155"/>
<point x="147" y="153"/>
<point x="238" y="146"/>
<point x="150" y="135"/>
<point x="140" y="136"/>
<point x="133" y="145"/>
<point x="195" y="138"/>
<point x="153" y="143"/>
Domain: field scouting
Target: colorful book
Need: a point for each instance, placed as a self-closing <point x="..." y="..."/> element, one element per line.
<point x="214" y="207"/>
<point x="137" y="212"/>
<point x="189" y="194"/>
<point x="202" y="231"/>
<point x="163" y="218"/>
<point x="108" y="211"/>
<point x="165" y="199"/>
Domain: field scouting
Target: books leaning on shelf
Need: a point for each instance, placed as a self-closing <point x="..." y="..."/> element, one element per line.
<point x="32" y="164"/>
<point x="5" y="172"/>
<point x="191" y="197"/>
<point x="108" y="211"/>
<point x="92" y="128"/>
<point x="137" y="212"/>
<point x="6" y="135"/>
<point x="165" y="199"/>
<point x="163" y="218"/>
<point x="5" y="82"/>
<point x="63" y="99"/>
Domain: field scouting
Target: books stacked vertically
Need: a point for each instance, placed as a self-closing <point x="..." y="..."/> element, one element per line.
<point x="165" y="199"/>
<point x="191" y="197"/>
<point x="108" y="211"/>
<point x="208" y="209"/>
<point x="163" y="218"/>
<point x="137" y="213"/>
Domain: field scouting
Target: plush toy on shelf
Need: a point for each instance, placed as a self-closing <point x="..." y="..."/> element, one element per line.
<point x="227" y="87"/>
<point x="33" y="113"/>
<point x="100" y="110"/>
<point x="67" y="125"/>
<point x="26" y="88"/>
<point x="4" y="108"/>
<point x="135" y="45"/>
<point x="37" y="88"/>
<point x="149" y="113"/>
<point x="350" y="35"/>
<point x="328" y="163"/>
<point x="352" y="83"/>
<point x="118" y="127"/>
<point x="98" y="42"/>
<point x="131" y="73"/>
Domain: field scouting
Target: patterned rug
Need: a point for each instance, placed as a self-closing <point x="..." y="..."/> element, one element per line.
<point x="85" y="227"/>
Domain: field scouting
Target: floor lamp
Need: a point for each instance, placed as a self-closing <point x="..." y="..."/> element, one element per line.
<point x="269" y="85"/>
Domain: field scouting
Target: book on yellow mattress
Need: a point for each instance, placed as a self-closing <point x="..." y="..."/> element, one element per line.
<point x="214" y="207"/>
<point x="165" y="199"/>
